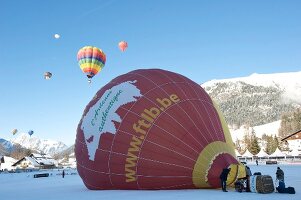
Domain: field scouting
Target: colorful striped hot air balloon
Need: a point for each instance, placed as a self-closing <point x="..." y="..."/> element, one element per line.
<point x="154" y="129"/>
<point x="91" y="60"/>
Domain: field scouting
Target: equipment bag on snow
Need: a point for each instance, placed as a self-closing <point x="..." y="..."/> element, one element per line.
<point x="291" y="190"/>
<point x="261" y="184"/>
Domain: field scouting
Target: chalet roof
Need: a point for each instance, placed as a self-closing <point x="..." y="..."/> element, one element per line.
<point x="36" y="155"/>
<point x="8" y="159"/>
<point x="291" y="136"/>
<point x="32" y="161"/>
<point x="37" y="160"/>
<point x="295" y="152"/>
<point x="7" y="164"/>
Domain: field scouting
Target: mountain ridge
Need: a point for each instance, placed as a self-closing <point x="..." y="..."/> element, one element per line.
<point x="256" y="99"/>
<point x="46" y="146"/>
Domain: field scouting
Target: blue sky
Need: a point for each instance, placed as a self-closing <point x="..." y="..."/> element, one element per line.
<point x="201" y="39"/>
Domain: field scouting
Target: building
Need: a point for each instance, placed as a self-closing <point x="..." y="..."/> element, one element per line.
<point x="294" y="142"/>
<point x="6" y="163"/>
<point x="36" y="161"/>
<point x="68" y="161"/>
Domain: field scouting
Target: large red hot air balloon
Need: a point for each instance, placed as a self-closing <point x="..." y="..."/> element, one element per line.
<point x="153" y="129"/>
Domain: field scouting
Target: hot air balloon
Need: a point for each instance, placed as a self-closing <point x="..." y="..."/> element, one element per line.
<point x="57" y="36"/>
<point x="14" y="131"/>
<point x="123" y="45"/>
<point x="91" y="60"/>
<point x="30" y="132"/>
<point x="154" y="129"/>
<point x="47" y="75"/>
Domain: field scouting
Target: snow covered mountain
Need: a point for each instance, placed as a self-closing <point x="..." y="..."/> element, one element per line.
<point x="34" y="143"/>
<point x="257" y="99"/>
<point x="6" y="145"/>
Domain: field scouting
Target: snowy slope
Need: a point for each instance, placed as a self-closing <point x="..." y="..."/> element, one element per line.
<point x="268" y="129"/>
<point x="7" y="145"/>
<point x="290" y="82"/>
<point x="34" y="143"/>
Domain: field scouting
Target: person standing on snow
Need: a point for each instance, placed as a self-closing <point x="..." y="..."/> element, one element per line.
<point x="280" y="175"/>
<point x="223" y="176"/>
<point x="63" y="174"/>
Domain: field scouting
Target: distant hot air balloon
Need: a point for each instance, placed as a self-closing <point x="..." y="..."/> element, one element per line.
<point x="57" y="36"/>
<point x="47" y="75"/>
<point x="30" y="132"/>
<point x="123" y="45"/>
<point x="14" y="131"/>
<point x="91" y="60"/>
<point x="154" y="129"/>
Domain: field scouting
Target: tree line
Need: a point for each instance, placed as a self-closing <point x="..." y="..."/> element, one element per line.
<point x="290" y="123"/>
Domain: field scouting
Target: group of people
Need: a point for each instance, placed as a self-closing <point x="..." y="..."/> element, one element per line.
<point x="224" y="176"/>
<point x="244" y="184"/>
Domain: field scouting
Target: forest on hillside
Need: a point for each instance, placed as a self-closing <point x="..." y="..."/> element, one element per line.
<point x="290" y="123"/>
<point x="245" y="104"/>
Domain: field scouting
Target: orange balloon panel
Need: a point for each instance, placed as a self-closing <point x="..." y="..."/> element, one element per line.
<point x="152" y="129"/>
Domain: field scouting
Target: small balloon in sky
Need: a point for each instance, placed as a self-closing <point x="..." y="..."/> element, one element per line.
<point x="14" y="131"/>
<point x="30" y="132"/>
<point x="123" y="45"/>
<point x="47" y="75"/>
<point x="57" y="36"/>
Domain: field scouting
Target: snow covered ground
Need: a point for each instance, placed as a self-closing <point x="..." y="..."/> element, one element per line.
<point x="270" y="129"/>
<point x="24" y="186"/>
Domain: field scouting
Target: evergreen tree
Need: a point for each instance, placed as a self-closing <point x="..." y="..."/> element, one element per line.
<point x="296" y="123"/>
<point x="246" y="139"/>
<point x="254" y="147"/>
<point x="238" y="146"/>
<point x="271" y="145"/>
<point x="290" y="123"/>
<point x="282" y="145"/>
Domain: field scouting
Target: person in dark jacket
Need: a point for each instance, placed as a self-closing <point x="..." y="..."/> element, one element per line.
<point x="223" y="176"/>
<point x="248" y="174"/>
<point x="280" y="174"/>
<point x="63" y="174"/>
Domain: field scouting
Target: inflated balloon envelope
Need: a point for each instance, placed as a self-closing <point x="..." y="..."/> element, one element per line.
<point x="153" y="129"/>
